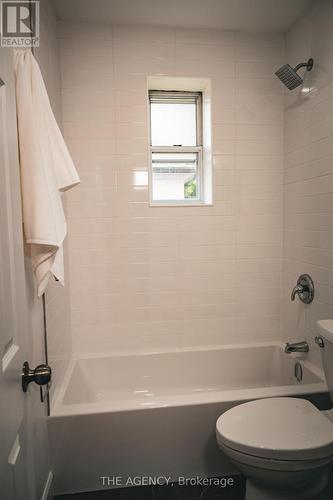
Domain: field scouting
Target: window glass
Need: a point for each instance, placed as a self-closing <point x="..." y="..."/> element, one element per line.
<point x="175" y="176"/>
<point x="173" y="124"/>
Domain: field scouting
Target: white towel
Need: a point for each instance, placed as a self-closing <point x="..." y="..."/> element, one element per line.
<point x="46" y="170"/>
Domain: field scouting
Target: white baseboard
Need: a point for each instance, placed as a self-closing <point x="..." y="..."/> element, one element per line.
<point x="47" y="486"/>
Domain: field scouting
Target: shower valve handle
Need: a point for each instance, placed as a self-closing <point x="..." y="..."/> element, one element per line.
<point x="304" y="289"/>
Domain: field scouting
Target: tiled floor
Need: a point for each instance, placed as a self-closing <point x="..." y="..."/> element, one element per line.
<point x="176" y="492"/>
<point x="171" y="492"/>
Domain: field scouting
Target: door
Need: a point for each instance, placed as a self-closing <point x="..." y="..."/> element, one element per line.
<point x="17" y="410"/>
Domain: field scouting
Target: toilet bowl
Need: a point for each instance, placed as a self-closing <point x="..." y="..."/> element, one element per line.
<point x="284" y="446"/>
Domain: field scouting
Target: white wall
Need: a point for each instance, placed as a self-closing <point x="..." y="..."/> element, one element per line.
<point x="144" y="277"/>
<point x="308" y="220"/>
<point x="57" y="297"/>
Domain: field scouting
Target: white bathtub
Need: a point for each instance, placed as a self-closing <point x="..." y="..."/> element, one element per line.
<point x="154" y="414"/>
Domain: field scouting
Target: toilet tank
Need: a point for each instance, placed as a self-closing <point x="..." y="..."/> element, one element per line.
<point x="325" y="332"/>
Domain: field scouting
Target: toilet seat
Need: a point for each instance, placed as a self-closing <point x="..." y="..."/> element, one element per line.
<point x="244" y="459"/>
<point x="277" y="428"/>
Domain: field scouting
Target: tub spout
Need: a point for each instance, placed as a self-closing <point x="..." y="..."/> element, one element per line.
<point x="297" y="347"/>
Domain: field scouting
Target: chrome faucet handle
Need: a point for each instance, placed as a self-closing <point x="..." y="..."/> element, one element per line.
<point x="319" y="341"/>
<point x="304" y="289"/>
<point x="297" y="290"/>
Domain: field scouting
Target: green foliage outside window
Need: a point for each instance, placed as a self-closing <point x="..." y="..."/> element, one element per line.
<point x="190" y="189"/>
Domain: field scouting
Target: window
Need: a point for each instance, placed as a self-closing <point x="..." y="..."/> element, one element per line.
<point x="176" y="172"/>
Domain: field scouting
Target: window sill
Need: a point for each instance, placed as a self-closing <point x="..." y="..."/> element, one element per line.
<point x="179" y="204"/>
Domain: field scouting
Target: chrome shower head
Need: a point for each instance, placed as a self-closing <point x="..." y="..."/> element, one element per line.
<point x="289" y="76"/>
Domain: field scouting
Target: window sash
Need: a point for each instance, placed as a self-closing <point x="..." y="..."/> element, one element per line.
<point x="162" y="96"/>
<point x="178" y="149"/>
<point x="175" y="96"/>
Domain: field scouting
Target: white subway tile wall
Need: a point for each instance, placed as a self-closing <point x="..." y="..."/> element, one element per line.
<point x="151" y="277"/>
<point x="308" y="221"/>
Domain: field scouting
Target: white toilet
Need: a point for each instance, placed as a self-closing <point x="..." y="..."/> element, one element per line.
<point x="284" y="446"/>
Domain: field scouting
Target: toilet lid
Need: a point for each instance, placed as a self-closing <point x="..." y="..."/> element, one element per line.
<point x="277" y="428"/>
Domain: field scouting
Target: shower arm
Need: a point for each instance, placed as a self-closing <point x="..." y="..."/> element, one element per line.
<point x="308" y="65"/>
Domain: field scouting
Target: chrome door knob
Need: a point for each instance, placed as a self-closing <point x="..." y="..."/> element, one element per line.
<point x="41" y="375"/>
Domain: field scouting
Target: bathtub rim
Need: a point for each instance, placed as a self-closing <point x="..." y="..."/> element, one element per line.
<point x="58" y="408"/>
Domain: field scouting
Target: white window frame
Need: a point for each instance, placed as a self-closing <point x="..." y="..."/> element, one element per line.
<point x="164" y="96"/>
